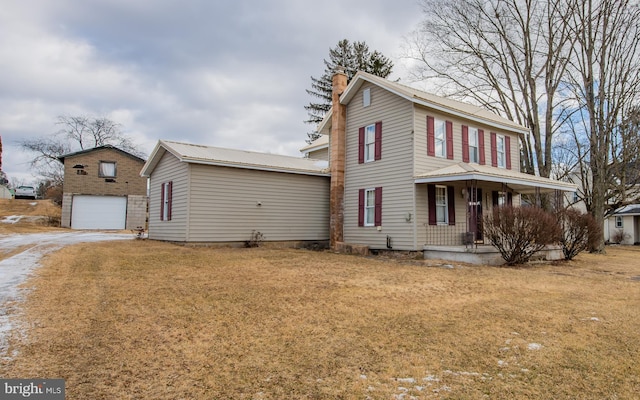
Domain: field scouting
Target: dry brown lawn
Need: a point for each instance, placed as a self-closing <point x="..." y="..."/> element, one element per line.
<point x="38" y="215"/>
<point x="150" y="320"/>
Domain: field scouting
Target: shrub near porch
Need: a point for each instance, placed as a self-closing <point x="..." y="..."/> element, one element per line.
<point x="142" y="319"/>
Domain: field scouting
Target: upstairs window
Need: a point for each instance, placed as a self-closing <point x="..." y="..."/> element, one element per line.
<point x="473" y="145"/>
<point x="500" y="151"/>
<point x="370" y="143"/>
<point x="107" y="169"/>
<point x="440" y="138"/>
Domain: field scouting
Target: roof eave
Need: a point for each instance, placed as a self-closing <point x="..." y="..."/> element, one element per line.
<point x="565" y="187"/>
<point x="357" y="81"/>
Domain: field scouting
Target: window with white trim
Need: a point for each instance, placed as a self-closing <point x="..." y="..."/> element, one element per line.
<point x="366" y="98"/>
<point x="500" y="151"/>
<point x="442" y="206"/>
<point x="370" y="143"/>
<point x="473" y="145"/>
<point x="619" y="221"/>
<point x="369" y="207"/>
<point x="440" y="136"/>
<point x="107" y="169"/>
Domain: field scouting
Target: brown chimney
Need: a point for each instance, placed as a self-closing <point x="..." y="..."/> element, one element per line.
<point x="338" y="137"/>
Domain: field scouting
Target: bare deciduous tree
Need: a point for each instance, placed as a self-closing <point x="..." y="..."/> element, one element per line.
<point x="604" y="78"/>
<point x="507" y="55"/>
<point x="75" y="133"/>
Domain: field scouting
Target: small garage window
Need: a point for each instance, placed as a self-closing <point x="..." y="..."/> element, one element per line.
<point x="107" y="169"/>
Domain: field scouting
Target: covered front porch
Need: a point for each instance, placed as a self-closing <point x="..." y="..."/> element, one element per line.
<point x="459" y="196"/>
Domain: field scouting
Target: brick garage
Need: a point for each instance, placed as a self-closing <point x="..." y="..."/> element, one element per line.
<point x="103" y="189"/>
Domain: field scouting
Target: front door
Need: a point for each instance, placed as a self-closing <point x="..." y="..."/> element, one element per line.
<point x="475" y="214"/>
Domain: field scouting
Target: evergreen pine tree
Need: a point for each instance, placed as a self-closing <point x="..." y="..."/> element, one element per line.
<point x="353" y="57"/>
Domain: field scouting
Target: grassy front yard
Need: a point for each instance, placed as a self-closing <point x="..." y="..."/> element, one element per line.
<point x="147" y="320"/>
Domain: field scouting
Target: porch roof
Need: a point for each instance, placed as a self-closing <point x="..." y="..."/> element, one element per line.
<point x="521" y="183"/>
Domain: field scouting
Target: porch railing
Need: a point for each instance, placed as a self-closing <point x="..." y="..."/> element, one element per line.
<point x="449" y="235"/>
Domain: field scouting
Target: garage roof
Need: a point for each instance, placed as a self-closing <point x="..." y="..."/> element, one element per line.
<point x="209" y="155"/>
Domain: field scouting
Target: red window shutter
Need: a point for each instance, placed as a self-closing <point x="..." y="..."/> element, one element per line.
<point x="361" y="145"/>
<point x="465" y="143"/>
<point x="378" y="151"/>
<point x="431" y="137"/>
<point x="361" y="207"/>
<point x="431" y="199"/>
<point x="494" y="150"/>
<point x="449" y="126"/>
<point x="378" y="209"/>
<point x="162" y="202"/>
<point x="481" y="146"/>
<point x="451" y="204"/>
<point x="170" y="200"/>
<point x="507" y="151"/>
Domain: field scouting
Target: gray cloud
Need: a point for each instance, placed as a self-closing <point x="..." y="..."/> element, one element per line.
<point x="223" y="73"/>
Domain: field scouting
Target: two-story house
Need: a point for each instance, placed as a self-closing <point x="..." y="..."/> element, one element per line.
<point x="417" y="172"/>
<point x="103" y="189"/>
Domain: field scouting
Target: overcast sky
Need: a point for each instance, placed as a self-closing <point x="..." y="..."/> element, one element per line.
<point x="221" y="73"/>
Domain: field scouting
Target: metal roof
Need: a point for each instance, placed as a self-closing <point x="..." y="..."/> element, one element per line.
<point x="209" y="155"/>
<point x="442" y="104"/>
<point x="631" y="209"/>
<point x="319" y="143"/>
<point x="522" y="183"/>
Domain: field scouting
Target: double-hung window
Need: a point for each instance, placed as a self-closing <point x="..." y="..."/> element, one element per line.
<point x="473" y="145"/>
<point x="442" y="211"/>
<point x="369" y="207"/>
<point x="619" y="221"/>
<point x="440" y="137"/>
<point x="369" y="143"/>
<point x="500" y="151"/>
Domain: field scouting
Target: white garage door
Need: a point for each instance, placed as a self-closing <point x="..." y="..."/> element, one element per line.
<point x="98" y="212"/>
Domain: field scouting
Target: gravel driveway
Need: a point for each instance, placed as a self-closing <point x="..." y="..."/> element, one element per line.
<point x="16" y="269"/>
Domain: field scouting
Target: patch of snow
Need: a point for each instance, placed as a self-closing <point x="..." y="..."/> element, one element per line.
<point x="406" y="380"/>
<point x="16" y="269"/>
<point x="35" y="203"/>
<point x="431" y="378"/>
<point x="363" y="376"/>
<point x="534" y="346"/>
<point x="11" y="219"/>
<point x="419" y="388"/>
<point x="501" y="363"/>
<point x="594" y="319"/>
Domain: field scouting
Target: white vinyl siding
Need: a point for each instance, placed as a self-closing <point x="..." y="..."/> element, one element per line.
<point x="393" y="172"/>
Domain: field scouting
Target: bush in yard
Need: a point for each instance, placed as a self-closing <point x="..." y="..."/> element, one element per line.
<point x="579" y="232"/>
<point x="619" y="236"/>
<point x="520" y="232"/>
